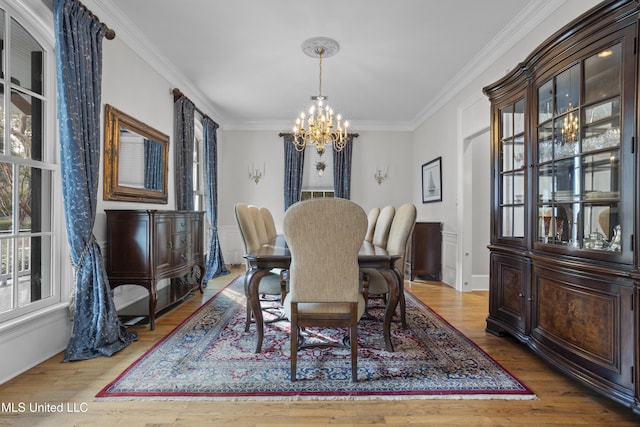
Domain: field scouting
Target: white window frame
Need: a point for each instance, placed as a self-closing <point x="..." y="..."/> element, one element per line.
<point x="35" y="18"/>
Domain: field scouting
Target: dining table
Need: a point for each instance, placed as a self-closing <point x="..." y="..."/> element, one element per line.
<point x="276" y="255"/>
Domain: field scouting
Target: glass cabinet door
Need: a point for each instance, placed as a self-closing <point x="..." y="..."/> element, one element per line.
<point x="512" y="170"/>
<point x="578" y="155"/>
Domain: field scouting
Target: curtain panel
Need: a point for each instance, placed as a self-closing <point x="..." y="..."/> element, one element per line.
<point x="342" y="170"/>
<point x="153" y="166"/>
<point x="214" y="263"/>
<point x="293" y="168"/>
<point x="97" y="331"/>
<point x="185" y="121"/>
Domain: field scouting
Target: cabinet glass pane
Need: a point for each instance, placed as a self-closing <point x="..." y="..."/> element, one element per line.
<point x="513" y="221"/>
<point x="603" y="126"/>
<point x="507" y="155"/>
<point x="602" y="228"/>
<point x="518" y="152"/>
<point x="507" y="188"/>
<point x="506" y="119"/>
<point x="602" y="77"/>
<point x="518" y="221"/>
<point x="601" y="175"/>
<point x="545" y="183"/>
<point x="567" y="90"/>
<point x="545" y="143"/>
<point x="507" y="221"/>
<point x="567" y="184"/>
<point x="518" y="117"/>
<point x="545" y="101"/>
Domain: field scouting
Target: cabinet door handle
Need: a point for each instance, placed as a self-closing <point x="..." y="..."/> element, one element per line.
<point x="521" y="295"/>
<point x="170" y="244"/>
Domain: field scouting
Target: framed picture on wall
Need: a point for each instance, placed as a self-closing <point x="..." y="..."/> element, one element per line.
<point x="432" y="181"/>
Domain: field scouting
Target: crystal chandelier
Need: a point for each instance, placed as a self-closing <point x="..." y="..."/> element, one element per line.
<point x="321" y="126"/>
<point x="570" y="127"/>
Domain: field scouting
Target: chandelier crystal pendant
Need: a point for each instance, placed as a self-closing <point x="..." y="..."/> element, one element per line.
<point x="322" y="126"/>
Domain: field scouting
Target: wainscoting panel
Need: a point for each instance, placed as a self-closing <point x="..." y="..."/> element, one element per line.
<point x="231" y="244"/>
<point x="449" y="257"/>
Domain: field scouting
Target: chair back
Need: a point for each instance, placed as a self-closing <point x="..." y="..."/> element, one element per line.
<point x="269" y="223"/>
<point x="403" y="222"/>
<point x="383" y="225"/>
<point x="324" y="237"/>
<point x="258" y="222"/>
<point x="247" y="227"/>
<point x="372" y="217"/>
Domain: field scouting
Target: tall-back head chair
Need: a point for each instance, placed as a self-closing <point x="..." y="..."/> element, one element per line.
<point x="324" y="236"/>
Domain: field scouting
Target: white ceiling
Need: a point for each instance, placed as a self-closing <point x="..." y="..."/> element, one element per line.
<point x="242" y="62"/>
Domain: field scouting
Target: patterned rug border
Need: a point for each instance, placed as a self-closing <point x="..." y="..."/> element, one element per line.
<point x="104" y="395"/>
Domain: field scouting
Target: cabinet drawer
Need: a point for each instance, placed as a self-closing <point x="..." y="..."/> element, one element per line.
<point x="180" y="240"/>
<point x="181" y="225"/>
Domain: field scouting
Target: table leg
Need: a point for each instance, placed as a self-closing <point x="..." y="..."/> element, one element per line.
<point x="251" y="290"/>
<point x="394" y="287"/>
<point x="401" y="299"/>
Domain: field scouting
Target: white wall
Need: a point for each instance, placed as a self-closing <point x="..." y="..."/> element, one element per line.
<point x="238" y="150"/>
<point x="134" y="87"/>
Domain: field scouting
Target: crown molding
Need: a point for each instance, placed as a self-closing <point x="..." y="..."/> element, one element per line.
<point x="129" y="33"/>
<point x="523" y="24"/>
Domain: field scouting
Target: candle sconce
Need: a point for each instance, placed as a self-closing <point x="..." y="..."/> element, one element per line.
<point x="381" y="175"/>
<point x="255" y="174"/>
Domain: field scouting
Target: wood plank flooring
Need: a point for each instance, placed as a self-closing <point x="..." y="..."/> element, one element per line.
<point x="561" y="401"/>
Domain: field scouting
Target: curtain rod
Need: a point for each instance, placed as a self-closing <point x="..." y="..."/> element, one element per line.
<point x="177" y="94"/>
<point x="281" y="134"/>
<point x="109" y="34"/>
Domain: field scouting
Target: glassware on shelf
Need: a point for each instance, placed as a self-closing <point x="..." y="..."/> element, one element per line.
<point x="610" y="138"/>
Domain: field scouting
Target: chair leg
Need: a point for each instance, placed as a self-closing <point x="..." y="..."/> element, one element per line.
<point x="284" y="278"/>
<point x="294" y="341"/>
<point x="247" y="323"/>
<point x="365" y="292"/>
<point x="354" y="344"/>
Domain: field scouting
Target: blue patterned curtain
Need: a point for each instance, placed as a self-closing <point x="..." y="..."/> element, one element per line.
<point x="153" y="167"/>
<point x="342" y="170"/>
<point x="97" y="331"/>
<point x="214" y="259"/>
<point x="293" y="167"/>
<point x="183" y="152"/>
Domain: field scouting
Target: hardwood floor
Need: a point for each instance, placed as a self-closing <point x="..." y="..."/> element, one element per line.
<point x="561" y="401"/>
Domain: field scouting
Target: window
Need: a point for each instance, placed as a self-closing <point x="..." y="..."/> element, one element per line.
<point x="26" y="171"/>
<point x="198" y="167"/>
<point x="317" y="175"/>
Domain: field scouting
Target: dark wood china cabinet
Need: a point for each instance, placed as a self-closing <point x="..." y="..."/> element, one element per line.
<point x="565" y="277"/>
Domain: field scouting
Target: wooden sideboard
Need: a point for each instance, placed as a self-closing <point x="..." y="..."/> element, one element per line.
<point x="145" y="246"/>
<point x="424" y="252"/>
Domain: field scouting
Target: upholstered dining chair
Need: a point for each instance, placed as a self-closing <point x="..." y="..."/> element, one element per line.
<point x="383" y="225"/>
<point x="249" y="222"/>
<point x="269" y="223"/>
<point x="324" y="237"/>
<point x="372" y="217"/>
<point x="403" y="222"/>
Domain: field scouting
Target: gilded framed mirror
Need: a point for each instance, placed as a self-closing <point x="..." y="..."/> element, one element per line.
<point x="136" y="159"/>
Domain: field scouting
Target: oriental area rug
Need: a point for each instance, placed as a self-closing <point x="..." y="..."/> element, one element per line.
<point x="211" y="357"/>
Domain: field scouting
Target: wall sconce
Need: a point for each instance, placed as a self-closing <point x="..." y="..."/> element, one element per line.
<point x="381" y="175"/>
<point x="256" y="174"/>
<point x="320" y="167"/>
